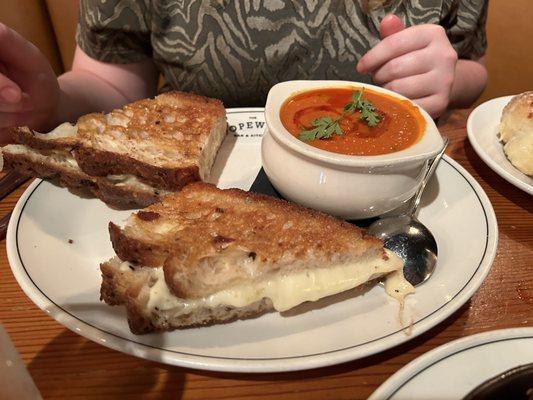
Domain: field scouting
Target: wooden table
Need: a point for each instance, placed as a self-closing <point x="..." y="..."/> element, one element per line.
<point x="65" y="365"/>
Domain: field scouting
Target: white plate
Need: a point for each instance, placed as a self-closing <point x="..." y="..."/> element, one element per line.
<point x="63" y="278"/>
<point x="453" y="370"/>
<point x="482" y="128"/>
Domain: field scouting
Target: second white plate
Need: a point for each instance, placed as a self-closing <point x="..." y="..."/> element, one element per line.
<point x="454" y="369"/>
<point x="56" y="242"/>
<point x="482" y="128"/>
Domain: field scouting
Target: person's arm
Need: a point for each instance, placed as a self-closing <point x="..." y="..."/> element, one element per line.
<point x="470" y="80"/>
<point x="92" y="85"/>
<point x="30" y="93"/>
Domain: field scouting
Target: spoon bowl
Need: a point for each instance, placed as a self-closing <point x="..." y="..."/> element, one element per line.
<point x="412" y="241"/>
<point x="406" y="236"/>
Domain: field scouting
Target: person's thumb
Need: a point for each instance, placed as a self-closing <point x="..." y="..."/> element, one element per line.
<point x="390" y="25"/>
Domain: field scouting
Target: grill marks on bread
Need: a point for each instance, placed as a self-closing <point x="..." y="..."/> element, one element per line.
<point x="161" y="140"/>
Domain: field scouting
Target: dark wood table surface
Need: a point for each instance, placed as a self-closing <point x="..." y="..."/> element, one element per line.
<point x="65" y="365"/>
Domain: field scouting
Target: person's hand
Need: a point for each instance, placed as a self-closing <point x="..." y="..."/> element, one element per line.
<point x="29" y="90"/>
<point x="417" y="62"/>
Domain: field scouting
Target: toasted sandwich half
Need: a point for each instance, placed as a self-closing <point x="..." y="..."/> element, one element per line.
<point x="130" y="157"/>
<point x="205" y="255"/>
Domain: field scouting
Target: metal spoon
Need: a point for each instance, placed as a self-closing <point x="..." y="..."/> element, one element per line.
<point x="408" y="237"/>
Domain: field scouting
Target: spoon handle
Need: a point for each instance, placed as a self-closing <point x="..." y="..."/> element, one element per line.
<point x="433" y="166"/>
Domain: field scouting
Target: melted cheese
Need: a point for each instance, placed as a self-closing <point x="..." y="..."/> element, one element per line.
<point x="66" y="129"/>
<point x="397" y="286"/>
<point x="285" y="291"/>
<point x="64" y="157"/>
<point x="132" y="180"/>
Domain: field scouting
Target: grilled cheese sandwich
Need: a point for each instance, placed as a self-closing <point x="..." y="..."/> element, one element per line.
<point x="130" y="157"/>
<point x="203" y="279"/>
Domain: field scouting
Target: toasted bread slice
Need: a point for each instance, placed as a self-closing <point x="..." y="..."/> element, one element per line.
<point x="150" y="235"/>
<point x="205" y="248"/>
<point x="168" y="141"/>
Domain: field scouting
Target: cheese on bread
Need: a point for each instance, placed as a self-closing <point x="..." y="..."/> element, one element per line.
<point x="281" y="292"/>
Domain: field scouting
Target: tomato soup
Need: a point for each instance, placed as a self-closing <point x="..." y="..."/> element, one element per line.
<point x="400" y="126"/>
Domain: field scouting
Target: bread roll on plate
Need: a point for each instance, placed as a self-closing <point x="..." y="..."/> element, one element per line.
<point x="516" y="132"/>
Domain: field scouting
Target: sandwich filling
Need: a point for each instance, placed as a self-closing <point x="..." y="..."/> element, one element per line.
<point x="284" y="290"/>
<point x="64" y="159"/>
<point x="64" y="130"/>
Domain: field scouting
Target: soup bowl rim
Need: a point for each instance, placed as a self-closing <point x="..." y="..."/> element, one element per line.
<point x="426" y="147"/>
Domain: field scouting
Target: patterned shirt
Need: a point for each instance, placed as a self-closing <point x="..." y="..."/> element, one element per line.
<point x="235" y="50"/>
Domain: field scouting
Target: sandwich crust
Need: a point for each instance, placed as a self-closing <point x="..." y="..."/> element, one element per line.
<point x="141" y="250"/>
<point x="103" y="163"/>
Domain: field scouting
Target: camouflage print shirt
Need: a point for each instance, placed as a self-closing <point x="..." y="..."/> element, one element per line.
<point x="235" y="50"/>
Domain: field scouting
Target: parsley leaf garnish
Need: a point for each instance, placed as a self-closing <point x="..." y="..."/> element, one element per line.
<point x="326" y="127"/>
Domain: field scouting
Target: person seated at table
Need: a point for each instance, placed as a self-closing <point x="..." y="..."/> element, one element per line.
<point x="431" y="52"/>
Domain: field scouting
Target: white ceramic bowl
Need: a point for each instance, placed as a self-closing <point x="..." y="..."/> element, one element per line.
<point x="351" y="187"/>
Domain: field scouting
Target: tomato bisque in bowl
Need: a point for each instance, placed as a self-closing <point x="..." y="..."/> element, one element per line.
<point x="349" y="149"/>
